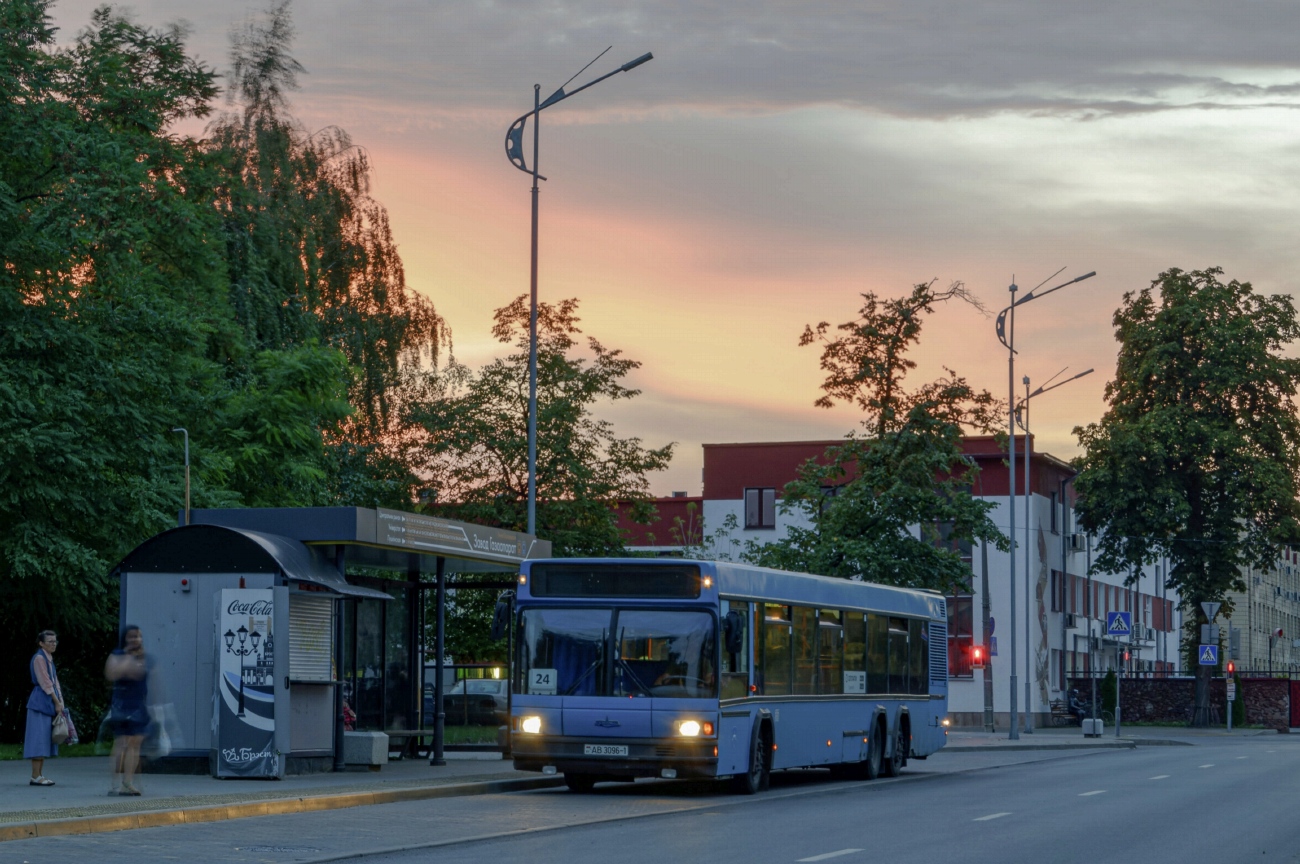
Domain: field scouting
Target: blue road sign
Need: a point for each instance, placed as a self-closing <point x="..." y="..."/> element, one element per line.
<point x="1209" y="655"/>
<point x="993" y="646"/>
<point x="1119" y="623"/>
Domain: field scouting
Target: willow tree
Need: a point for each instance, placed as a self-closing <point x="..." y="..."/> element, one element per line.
<point x="892" y="502"/>
<point x="311" y="256"/>
<point x="1198" y="454"/>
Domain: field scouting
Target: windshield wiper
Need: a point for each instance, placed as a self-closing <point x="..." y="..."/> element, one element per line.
<point x="604" y="640"/>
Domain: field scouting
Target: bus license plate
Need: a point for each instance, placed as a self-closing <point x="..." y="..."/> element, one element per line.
<point x="604" y="749"/>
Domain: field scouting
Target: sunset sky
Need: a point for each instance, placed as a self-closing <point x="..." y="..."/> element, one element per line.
<point x="776" y="159"/>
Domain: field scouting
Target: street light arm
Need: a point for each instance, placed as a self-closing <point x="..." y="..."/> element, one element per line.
<point x="1046" y="389"/>
<point x="515" y="136"/>
<point x="1032" y="296"/>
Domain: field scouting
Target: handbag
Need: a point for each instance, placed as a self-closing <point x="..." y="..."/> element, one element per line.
<point x="59" y="729"/>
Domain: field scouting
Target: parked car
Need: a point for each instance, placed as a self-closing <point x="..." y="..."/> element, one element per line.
<point x="473" y="701"/>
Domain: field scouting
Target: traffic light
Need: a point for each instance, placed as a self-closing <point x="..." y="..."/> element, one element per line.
<point x="977" y="657"/>
<point x="1126" y="656"/>
<point x="1232" y="667"/>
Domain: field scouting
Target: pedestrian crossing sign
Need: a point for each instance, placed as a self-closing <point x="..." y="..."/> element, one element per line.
<point x="1119" y="623"/>
<point x="1209" y="655"/>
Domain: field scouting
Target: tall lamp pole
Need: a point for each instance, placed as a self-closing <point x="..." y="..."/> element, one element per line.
<point x="187" y="471"/>
<point x="515" y="153"/>
<point x="1029" y="524"/>
<point x="1006" y="330"/>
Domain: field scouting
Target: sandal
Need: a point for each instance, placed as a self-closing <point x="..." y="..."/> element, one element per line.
<point x="128" y="789"/>
<point x="41" y="781"/>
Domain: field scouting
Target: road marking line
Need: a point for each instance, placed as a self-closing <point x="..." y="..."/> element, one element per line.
<point x="1093" y="792"/>
<point x="1243" y="757"/>
<point x="990" y="816"/>
<point x="826" y="855"/>
<point x="1211" y="765"/>
<point x="1159" y="777"/>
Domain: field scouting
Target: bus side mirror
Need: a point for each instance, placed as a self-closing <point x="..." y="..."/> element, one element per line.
<point x="500" y="620"/>
<point x="733" y="632"/>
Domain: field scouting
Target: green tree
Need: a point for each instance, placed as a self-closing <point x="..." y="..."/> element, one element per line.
<point x="476" y="453"/>
<point x="111" y="320"/>
<point x="1198" y="454"/>
<point x="312" y="259"/>
<point x="905" y="470"/>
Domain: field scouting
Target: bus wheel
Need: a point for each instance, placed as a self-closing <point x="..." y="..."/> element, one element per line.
<point x="759" y="775"/>
<point x="579" y="782"/>
<point x="894" y="764"/>
<point x="875" y="753"/>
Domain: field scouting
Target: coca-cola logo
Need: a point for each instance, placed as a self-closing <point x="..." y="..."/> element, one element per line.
<point x="256" y="607"/>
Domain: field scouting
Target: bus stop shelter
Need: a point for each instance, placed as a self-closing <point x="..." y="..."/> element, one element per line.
<point x="342" y="632"/>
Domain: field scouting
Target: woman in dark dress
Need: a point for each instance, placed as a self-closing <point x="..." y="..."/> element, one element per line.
<point x="128" y="669"/>
<point x="45" y="701"/>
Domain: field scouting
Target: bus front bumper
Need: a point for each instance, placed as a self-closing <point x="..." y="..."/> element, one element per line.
<point x="646" y="757"/>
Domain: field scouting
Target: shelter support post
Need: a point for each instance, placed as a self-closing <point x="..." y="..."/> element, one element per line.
<point x="414" y="662"/>
<point x="338" y="663"/>
<point x="439" y="650"/>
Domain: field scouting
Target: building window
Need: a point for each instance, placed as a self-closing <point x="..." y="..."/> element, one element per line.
<point x="961" y="622"/>
<point x="760" y="508"/>
<point x="1055" y="526"/>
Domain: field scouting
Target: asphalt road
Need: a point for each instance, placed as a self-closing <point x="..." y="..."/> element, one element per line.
<point x="1220" y="801"/>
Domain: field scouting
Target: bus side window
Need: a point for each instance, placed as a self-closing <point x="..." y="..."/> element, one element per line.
<point x="776" y="650"/>
<point x="735" y="651"/>
<point x="805" y="650"/>
<point x="855" y="652"/>
<point x="830" y="652"/>
<point x="898" y="635"/>
<point x="877" y="653"/>
<point x="918" y="665"/>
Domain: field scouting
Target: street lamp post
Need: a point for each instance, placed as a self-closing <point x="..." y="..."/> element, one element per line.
<point x="1007" y="336"/>
<point x="515" y="153"/>
<point x="1029" y="520"/>
<point x="183" y="431"/>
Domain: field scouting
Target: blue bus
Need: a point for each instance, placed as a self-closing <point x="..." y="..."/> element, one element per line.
<point x="641" y="667"/>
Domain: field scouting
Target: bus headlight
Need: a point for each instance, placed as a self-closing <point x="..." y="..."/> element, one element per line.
<point x="532" y="725"/>
<point x="693" y="728"/>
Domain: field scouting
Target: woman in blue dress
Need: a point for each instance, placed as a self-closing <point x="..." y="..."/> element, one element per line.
<point x="128" y="669"/>
<point x="45" y="701"/>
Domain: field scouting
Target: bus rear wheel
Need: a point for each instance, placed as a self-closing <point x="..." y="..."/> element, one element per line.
<point x="894" y="764"/>
<point x="579" y="782"/>
<point x="759" y="775"/>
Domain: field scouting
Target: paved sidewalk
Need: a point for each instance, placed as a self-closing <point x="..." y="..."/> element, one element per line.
<point x="79" y="803"/>
<point x="1072" y="738"/>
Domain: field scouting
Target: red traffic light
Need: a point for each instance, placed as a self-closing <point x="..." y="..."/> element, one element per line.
<point x="977" y="656"/>
<point x="1232" y="667"/>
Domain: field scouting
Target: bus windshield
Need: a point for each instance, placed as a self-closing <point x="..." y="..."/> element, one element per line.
<point x="570" y="652"/>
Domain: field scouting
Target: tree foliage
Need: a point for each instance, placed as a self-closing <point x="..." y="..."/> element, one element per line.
<point x="1197" y="457"/>
<point x="890" y="504"/>
<point x="241" y="285"/>
<point x="476" y="452"/>
<point x="312" y="260"/>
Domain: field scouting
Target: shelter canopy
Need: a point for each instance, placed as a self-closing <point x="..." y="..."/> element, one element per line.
<point x="388" y="539"/>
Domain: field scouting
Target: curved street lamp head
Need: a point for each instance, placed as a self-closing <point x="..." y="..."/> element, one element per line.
<point x="515" y="135"/>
